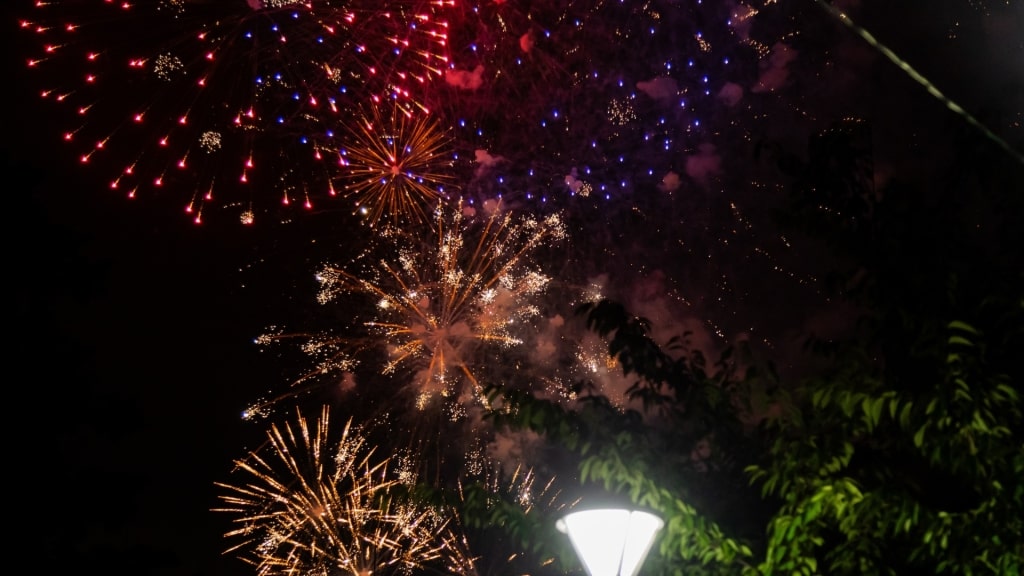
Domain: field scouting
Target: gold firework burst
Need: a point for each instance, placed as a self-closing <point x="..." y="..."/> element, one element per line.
<point x="441" y="308"/>
<point x="313" y="505"/>
<point x="395" y="165"/>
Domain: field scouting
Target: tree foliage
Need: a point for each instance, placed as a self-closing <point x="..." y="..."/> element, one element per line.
<point x="681" y="456"/>
<point x="906" y="454"/>
<point x="903" y="454"/>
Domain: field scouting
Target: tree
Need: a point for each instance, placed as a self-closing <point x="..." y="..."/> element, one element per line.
<point x="903" y="453"/>
<point x="907" y="453"/>
<point x="653" y="457"/>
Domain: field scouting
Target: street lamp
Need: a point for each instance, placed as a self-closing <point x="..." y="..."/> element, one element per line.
<point x="611" y="542"/>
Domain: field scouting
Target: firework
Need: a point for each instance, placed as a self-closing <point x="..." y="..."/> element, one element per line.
<point x="553" y="69"/>
<point x="536" y="502"/>
<point x="608" y="99"/>
<point x="332" y="362"/>
<point x="311" y="504"/>
<point x="227" y="102"/>
<point x="523" y="487"/>
<point x="441" y="309"/>
<point x="395" y="165"/>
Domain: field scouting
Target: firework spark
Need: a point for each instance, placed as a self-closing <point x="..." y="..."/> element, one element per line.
<point x="537" y="499"/>
<point x="394" y="165"/>
<point x="313" y="505"/>
<point x="228" y="102"/>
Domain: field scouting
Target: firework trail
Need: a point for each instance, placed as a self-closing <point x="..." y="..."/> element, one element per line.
<point x="232" y="102"/>
<point x="313" y="504"/>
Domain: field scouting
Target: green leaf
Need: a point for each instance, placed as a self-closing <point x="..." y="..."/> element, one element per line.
<point x="960" y="341"/>
<point x="919" y="436"/>
<point x="867" y="408"/>
<point x="905" y="415"/>
<point x="962" y="326"/>
<point x="876" y="411"/>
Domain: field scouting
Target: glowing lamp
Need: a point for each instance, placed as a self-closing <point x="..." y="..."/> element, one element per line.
<point x="611" y="542"/>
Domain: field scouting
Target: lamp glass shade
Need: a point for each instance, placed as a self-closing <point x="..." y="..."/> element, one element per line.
<point x="611" y="542"/>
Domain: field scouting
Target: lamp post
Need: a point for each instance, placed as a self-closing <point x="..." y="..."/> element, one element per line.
<point x="611" y="542"/>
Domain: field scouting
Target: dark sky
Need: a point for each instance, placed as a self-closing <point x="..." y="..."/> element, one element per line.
<point x="130" y="348"/>
<point x="121" y="397"/>
<point x="131" y="341"/>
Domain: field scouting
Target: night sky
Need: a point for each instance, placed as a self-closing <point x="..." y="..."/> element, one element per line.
<point x="132" y="341"/>
<point x="127" y="390"/>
